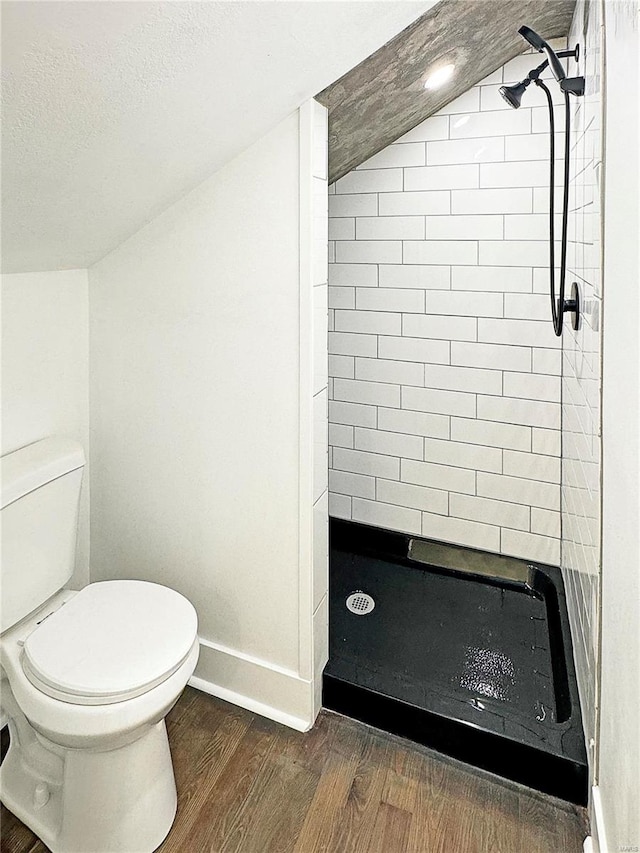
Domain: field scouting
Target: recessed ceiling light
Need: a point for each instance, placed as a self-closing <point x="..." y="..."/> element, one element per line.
<point x="439" y="77"/>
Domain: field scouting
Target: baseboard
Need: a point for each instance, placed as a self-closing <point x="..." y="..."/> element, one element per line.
<point x="257" y="685"/>
<point x="598" y="834"/>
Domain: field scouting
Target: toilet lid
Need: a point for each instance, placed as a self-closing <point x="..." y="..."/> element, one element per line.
<point x="110" y="642"/>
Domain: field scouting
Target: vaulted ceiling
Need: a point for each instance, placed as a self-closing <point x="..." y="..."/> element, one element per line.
<point x="384" y="97"/>
<point x="112" y="111"/>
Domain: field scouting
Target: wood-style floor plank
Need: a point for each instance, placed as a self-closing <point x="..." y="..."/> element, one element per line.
<point x="249" y="785"/>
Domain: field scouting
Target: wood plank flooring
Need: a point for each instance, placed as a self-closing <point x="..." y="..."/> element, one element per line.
<point x="248" y="785"/>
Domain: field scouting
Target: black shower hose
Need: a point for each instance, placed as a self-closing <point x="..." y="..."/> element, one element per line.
<point x="557" y="307"/>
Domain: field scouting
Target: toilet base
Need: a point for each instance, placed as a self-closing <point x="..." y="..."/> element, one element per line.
<point x="82" y="801"/>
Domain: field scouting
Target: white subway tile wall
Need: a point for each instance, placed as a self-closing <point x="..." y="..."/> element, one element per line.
<point x="445" y="400"/>
<point x="581" y="370"/>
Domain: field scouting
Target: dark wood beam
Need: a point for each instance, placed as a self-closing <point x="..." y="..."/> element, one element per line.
<point x="384" y="97"/>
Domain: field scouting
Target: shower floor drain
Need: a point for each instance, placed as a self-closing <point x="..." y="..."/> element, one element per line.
<point x="360" y="603"/>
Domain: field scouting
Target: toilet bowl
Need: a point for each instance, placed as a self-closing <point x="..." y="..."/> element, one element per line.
<point x="87" y="680"/>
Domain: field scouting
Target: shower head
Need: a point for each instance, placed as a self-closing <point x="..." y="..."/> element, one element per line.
<point x="513" y="94"/>
<point x="539" y="44"/>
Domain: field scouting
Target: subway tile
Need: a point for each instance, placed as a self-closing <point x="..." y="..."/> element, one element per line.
<point x="397" y="154"/>
<point x="389" y="443"/>
<point x="532" y="386"/>
<point x="488" y="511"/>
<point x="529" y="226"/>
<point x="331" y="252"/>
<point x="340" y="435"/>
<point x="339" y="506"/>
<point x="527" y="306"/>
<point x="390" y="228"/>
<point x="439" y="402"/>
<point x="461" y="455"/>
<point x="357" y="204"/>
<point x="383" y="370"/>
<point x="474" y="380"/>
<point x="534" y="146"/>
<point x="435" y="127"/>
<point x="472" y="534"/>
<point x="518" y="490"/>
<point x="414" y="497"/>
<point x="414" y="203"/>
<point x="342" y="366"/>
<point x="546" y="441"/>
<point x="491" y="434"/>
<point x="490" y="278"/>
<point x="489" y="149"/>
<point x="371" y="393"/>
<point x="514" y="411"/>
<point x="545" y="522"/>
<point x="491" y="123"/>
<point x="468" y="102"/>
<point x="352" y="414"/>
<point x="413" y="423"/>
<point x="413" y="349"/>
<point x="369" y="251"/>
<point x="458" y="303"/>
<point x="342" y="228"/>
<point x="439" y="327"/>
<point x="361" y="462"/>
<point x="370" y="181"/>
<point x="440" y="252"/>
<point x="517" y="333"/>
<point x="532" y="466"/>
<point x="547" y="361"/>
<point x="510" y="253"/>
<point x="529" y="546"/>
<point x="527" y="173"/>
<point x="342" y="297"/>
<point x="356" y="485"/>
<point x="491" y="356"/>
<point x="344" y="343"/>
<point x="485" y="227"/>
<point x="369" y="322"/>
<point x="442" y="177"/>
<point x="353" y="275"/>
<point x="386" y="515"/>
<point x="425" y="277"/>
<point x="499" y="201"/>
<point x="390" y="299"/>
<point x="320" y="444"/>
<point x="436" y="476"/>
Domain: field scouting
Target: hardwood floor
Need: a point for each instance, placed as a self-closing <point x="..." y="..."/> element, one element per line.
<point x="248" y="785"/>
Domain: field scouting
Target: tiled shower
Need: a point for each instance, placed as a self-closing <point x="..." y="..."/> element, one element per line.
<point x="455" y="412"/>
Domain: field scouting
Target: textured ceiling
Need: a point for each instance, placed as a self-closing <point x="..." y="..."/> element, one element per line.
<point x="113" y="110"/>
<point x="384" y="97"/>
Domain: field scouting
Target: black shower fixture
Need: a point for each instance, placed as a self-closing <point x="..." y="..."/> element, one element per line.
<point x="513" y="96"/>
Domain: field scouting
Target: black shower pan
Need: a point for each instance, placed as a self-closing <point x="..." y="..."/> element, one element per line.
<point x="473" y="664"/>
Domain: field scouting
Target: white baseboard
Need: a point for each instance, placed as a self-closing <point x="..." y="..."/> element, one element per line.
<point x="257" y="685"/>
<point x="598" y="834"/>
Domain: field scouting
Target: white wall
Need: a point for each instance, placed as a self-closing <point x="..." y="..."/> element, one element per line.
<point x="196" y="407"/>
<point x="45" y="355"/>
<point x="445" y="412"/>
<point x="619" y="735"/>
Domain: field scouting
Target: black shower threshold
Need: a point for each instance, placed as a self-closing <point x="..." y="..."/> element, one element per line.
<point x="469" y="654"/>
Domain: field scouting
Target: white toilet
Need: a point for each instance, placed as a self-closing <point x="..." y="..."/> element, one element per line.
<point x="87" y="677"/>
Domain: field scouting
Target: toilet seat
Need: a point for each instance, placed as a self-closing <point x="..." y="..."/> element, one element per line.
<point x="113" y="641"/>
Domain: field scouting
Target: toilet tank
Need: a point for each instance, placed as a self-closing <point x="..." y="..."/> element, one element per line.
<point x="40" y="488"/>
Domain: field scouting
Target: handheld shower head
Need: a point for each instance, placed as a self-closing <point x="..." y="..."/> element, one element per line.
<point x="539" y="44"/>
<point x="536" y="41"/>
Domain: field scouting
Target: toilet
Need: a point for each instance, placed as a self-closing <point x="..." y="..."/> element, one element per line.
<point x="87" y="677"/>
